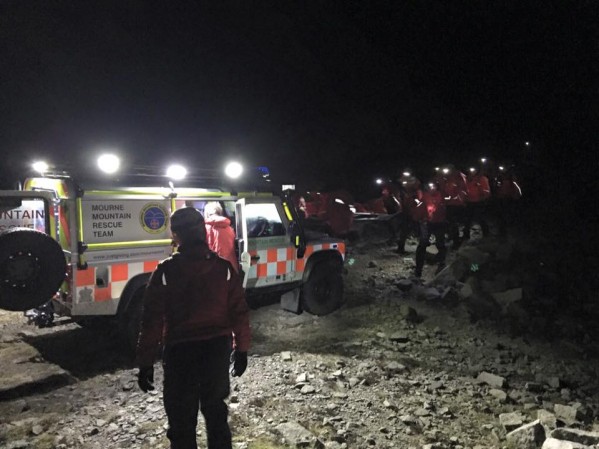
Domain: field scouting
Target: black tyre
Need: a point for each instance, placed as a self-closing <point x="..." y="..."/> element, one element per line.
<point x="32" y="267"/>
<point x="323" y="291"/>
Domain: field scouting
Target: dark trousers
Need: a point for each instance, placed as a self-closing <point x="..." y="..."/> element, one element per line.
<point x="196" y="377"/>
<point x="455" y="218"/>
<point x="476" y="213"/>
<point x="393" y="225"/>
<point x="426" y="230"/>
<point x="406" y="226"/>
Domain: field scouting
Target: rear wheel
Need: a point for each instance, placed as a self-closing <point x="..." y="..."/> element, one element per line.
<point x="32" y="267"/>
<point x="323" y="291"/>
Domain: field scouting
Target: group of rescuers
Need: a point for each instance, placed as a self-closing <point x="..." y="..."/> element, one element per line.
<point x="194" y="307"/>
<point x="449" y="201"/>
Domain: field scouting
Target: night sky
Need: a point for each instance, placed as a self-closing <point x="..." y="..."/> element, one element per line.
<point x="324" y="93"/>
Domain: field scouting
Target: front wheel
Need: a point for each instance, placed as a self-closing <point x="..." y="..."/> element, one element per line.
<point x="323" y="291"/>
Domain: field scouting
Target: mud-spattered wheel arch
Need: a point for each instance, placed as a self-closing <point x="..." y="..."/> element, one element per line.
<point x="32" y="267"/>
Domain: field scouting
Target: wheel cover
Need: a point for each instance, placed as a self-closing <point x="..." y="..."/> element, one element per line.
<point x="20" y="269"/>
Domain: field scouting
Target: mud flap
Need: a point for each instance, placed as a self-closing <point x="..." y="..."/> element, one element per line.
<point x="245" y="262"/>
<point x="290" y="301"/>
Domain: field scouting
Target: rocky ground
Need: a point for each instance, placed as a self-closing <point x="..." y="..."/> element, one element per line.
<point x="462" y="360"/>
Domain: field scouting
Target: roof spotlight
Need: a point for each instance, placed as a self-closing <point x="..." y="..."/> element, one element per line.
<point x="109" y="163"/>
<point x="483" y="159"/>
<point x="176" y="172"/>
<point x="233" y="170"/>
<point x="379" y="181"/>
<point x="445" y="170"/>
<point x="40" y="166"/>
<point x="472" y="169"/>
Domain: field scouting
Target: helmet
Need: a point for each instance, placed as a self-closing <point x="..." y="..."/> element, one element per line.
<point x="186" y="218"/>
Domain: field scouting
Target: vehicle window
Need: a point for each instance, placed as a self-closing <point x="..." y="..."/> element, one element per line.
<point x="228" y="208"/>
<point x="25" y="213"/>
<point x="263" y="220"/>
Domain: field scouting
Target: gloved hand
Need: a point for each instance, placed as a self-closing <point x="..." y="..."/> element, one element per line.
<point x="239" y="363"/>
<point x="145" y="378"/>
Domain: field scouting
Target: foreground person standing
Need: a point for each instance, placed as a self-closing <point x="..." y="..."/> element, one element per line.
<point x="195" y="306"/>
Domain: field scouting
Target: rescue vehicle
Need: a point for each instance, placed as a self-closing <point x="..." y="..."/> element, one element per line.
<point x="90" y="248"/>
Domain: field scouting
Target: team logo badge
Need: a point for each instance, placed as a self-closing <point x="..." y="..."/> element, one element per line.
<point x="153" y="218"/>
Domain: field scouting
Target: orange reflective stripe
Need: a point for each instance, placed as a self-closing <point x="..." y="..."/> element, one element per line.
<point x="271" y="255"/>
<point x="281" y="267"/>
<point x="102" y="294"/>
<point x="261" y="270"/>
<point x="85" y="277"/>
<point x="120" y="272"/>
<point x="150" y="265"/>
<point x="301" y="264"/>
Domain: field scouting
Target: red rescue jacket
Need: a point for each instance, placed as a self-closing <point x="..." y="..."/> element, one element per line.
<point x="221" y="238"/>
<point x="454" y="190"/>
<point x="193" y="295"/>
<point x="508" y="188"/>
<point x="478" y="188"/>
<point x="435" y="206"/>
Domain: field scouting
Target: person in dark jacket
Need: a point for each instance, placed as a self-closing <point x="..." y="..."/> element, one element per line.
<point x="194" y="305"/>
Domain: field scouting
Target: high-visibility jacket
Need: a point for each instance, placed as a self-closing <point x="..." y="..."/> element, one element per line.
<point x="435" y="206"/>
<point x="454" y="190"/>
<point x="507" y="188"/>
<point x="478" y="188"/>
<point x="411" y="198"/>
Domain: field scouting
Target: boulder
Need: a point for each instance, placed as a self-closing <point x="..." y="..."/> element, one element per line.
<point x="529" y="436"/>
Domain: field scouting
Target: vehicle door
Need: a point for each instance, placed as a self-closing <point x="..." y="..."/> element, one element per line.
<point x="266" y="253"/>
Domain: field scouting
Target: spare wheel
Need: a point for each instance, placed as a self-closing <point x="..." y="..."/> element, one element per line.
<point x="32" y="267"/>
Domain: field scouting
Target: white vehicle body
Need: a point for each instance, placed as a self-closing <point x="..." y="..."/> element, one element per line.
<point x="112" y="239"/>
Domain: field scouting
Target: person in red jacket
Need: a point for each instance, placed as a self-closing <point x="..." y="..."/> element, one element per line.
<point x="220" y="236"/>
<point x="434" y="222"/>
<point x="479" y="192"/>
<point x="194" y="305"/>
<point x="454" y="191"/>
